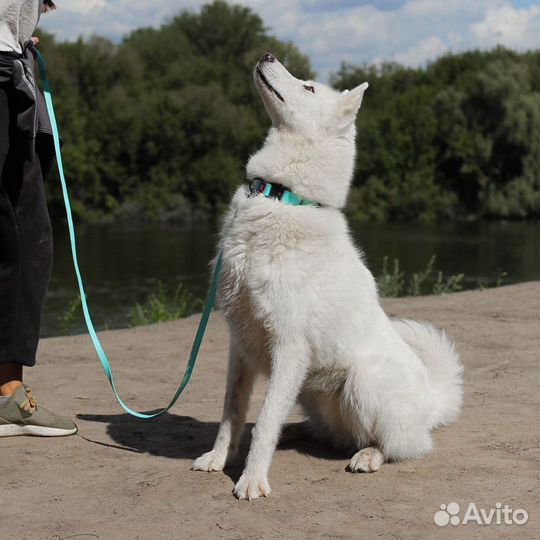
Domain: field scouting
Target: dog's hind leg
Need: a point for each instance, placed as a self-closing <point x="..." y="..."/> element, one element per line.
<point x="368" y="459"/>
<point x="387" y="415"/>
<point x="239" y="386"/>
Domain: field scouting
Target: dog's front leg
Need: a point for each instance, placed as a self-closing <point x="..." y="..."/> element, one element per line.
<point x="239" y="386"/>
<point x="289" y="367"/>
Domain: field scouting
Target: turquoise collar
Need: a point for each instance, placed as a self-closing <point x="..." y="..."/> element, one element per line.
<point x="258" y="186"/>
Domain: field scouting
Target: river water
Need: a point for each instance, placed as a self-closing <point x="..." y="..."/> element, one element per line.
<point x="122" y="264"/>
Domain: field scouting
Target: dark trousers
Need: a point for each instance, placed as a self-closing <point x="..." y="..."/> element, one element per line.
<point x="25" y="240"/>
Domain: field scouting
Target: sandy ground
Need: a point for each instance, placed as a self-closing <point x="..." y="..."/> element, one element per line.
<point x="126" y="478"/>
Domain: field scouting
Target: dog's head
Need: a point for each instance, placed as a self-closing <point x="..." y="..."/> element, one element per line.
<point x="305" y="107"/>
<point x="310" y="148"/>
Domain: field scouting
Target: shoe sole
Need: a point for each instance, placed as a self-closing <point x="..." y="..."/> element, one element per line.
<point x="15" y="430"/>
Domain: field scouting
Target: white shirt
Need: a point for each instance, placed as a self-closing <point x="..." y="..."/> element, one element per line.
<point x="18" y="20"/>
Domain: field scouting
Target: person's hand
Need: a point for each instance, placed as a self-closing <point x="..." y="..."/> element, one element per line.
<point x="34" y="40"/>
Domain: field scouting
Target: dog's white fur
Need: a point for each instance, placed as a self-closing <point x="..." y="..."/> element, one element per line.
<point x="303" y="308"/>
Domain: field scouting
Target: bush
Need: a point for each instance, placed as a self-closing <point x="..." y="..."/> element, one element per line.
<point x="392" y="281"/>
<point x="159" y="307"/>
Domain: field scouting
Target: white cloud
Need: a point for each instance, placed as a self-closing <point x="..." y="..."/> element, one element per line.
<point x="111" y="18"/>
<point x="84" y="6"/>
<point x="417" y="54"/>
<point x="408" y="31"/>
<point x="519" y="29"/>
<point x="414" y="32"/>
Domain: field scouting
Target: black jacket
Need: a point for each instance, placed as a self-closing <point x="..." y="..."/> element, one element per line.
<point x="33" y="124"/>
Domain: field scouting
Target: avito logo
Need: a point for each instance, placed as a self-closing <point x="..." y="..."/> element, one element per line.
<point x="499" y="515"/>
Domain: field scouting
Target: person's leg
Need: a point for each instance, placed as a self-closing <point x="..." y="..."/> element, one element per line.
<point x="25" y="269"/>
<point x="11" y="377"/>
<point x="10" y="370"/>
<point x="27" y="261"/>
<point x="27" y="194"/>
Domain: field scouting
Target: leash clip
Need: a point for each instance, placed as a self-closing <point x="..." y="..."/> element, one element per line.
<point x="256" y="187"/>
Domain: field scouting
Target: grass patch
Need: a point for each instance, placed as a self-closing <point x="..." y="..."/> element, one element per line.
<point x="161" y="307"/>
<point x="392" y="281"/>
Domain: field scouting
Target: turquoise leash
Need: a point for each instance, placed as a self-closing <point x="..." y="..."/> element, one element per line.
<point x="93" y="335"/>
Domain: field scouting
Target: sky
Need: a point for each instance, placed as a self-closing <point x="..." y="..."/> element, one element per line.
<point x="411" y="32"/>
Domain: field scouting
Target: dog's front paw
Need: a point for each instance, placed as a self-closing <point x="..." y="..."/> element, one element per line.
<point x="251" y="486"/>
<point x="211" y="461"/>
<point x="367" y="460"/>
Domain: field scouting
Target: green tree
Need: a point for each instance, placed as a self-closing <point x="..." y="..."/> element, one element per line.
<point x="160" y="125"/>
<point x="457" y="138"/>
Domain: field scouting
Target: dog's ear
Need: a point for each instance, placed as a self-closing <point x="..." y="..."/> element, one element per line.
<point x="350" y="100"/>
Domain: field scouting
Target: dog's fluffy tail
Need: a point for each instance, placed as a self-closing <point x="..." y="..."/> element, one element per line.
<point x="443" y="364"/>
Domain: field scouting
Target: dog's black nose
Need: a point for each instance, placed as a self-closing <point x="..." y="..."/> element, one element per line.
<point x="268" y="57"/>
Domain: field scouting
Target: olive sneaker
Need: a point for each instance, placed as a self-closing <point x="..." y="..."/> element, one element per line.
<point x="21" y="415"/>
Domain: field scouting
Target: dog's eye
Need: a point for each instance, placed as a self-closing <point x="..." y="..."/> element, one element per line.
<point x="309" y="88"/>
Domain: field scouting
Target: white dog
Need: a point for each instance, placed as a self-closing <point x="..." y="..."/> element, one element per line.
<point x="303" y="308"/>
